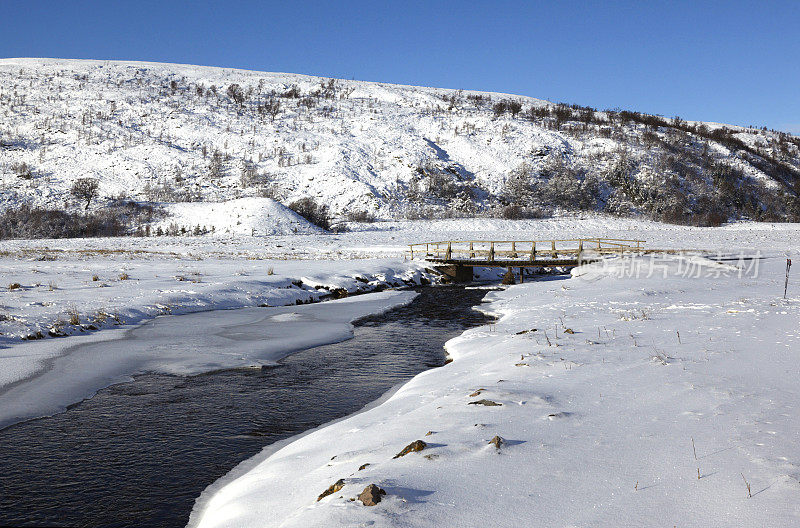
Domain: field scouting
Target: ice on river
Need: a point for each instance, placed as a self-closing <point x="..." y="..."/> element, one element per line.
<point x="44" y="376"/>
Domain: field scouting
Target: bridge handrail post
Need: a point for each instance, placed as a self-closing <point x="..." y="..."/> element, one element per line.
<point x="533" y="250"/>
<point x="411" y="246"/>
<point x="491" y="251"/>
<point x="449" y="253"/>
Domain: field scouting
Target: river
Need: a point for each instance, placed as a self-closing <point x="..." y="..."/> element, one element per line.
<point x="139" y="453"/>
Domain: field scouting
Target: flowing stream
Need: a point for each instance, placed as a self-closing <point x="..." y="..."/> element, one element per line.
<point x="139" y="453"/>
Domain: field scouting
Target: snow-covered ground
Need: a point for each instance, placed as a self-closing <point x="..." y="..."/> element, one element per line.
<point x="672" y="396"/>
<point x="83" y="291"/>
<point x="243" y="216"/>
<point x="638" y="392"/>
<point x="99" y="281"/>
<point x="598" y="424"/>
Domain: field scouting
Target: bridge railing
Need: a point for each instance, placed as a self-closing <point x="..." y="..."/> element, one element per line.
<point x="522" y="250"/>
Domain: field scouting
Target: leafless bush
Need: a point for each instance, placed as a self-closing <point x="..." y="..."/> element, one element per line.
<point x="22" y="170"/>
<point x="236" y="94"/>
<point x="315" y="213"/>
<point x="517" y="212"/>
<point x="360" y="216"/>
<point x="116" y="220"/>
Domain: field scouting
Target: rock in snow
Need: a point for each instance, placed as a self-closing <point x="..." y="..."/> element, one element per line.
<point x="416" y="445"/>
<point x="371" y="495"/>
<point x="333" y="488"/>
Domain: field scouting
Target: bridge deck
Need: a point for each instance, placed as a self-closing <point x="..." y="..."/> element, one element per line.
<point x="455" y="257"/>
<point x="538" y="263"/>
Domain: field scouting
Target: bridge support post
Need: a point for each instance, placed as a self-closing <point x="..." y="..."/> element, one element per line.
<point x="456" y="273"/>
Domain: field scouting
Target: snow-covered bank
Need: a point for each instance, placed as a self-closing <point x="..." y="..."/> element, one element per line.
<point x="47" y="293"/>
<point x="623" y="397"/>
<point x="42" y="377"/>
<point x="72" y="290"/>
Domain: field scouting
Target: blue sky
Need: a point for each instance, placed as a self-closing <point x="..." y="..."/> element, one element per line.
<point x="733" y="62"/>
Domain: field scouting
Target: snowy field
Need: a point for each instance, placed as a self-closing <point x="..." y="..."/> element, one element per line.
<point x="597" y="422"/>
<point x="102" y="282"/>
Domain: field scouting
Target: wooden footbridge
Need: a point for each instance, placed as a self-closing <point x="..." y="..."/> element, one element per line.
<point x="457" y="259"/>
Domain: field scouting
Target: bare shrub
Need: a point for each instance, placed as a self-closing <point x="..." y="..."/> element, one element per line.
<point x="315" y="213"/>
<point x="32" y="223"/>
<point x="271" y="108"/>
<point x="22" y="170"/>
<point x="360" y="216"/>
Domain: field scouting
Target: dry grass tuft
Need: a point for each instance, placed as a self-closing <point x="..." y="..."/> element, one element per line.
<point x="74" y="316"/>
<point x="14" y="286"/>
<point x="99" y="317"/>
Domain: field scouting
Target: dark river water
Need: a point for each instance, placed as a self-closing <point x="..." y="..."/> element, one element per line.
<point x="138" y="454"/>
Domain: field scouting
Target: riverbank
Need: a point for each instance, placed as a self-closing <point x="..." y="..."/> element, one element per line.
<point x="45" y="296"/>
<point x="637" y="391"/>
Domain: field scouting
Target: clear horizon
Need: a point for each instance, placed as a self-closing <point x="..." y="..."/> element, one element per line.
<point x="731" y="62"/>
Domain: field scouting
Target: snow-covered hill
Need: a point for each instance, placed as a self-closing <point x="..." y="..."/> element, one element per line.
<point x="242" y="216"/>
<point x="175" y="133"/>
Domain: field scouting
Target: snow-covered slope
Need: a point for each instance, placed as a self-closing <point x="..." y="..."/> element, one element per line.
<point x="176" y="133"/>
<point x="242" y="216"/>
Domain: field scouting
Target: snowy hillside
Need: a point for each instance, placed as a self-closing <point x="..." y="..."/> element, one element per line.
<point x="243" y="216"/>
<point x="173" y="133"/>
